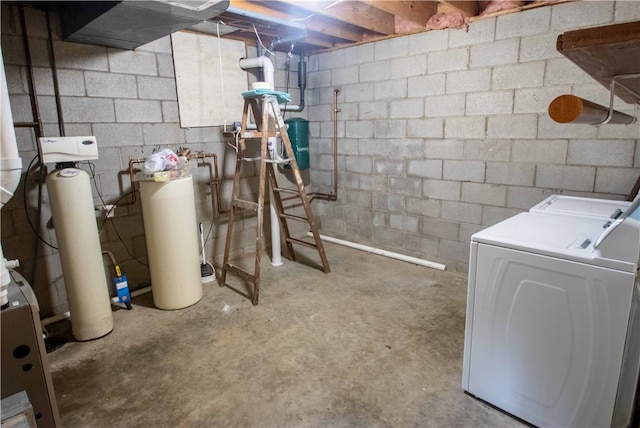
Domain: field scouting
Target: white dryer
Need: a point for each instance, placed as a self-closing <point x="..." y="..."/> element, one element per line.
<point x="583" y="207"/>
<point x="548" y="318"/>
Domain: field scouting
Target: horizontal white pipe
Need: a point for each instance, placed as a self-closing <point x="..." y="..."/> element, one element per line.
<point x="385" y="253"/>
<point x="67" y="315"/>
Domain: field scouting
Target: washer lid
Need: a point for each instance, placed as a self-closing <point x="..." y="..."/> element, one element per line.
<point x="576" y="206"/>
<point x="568" y="237"/>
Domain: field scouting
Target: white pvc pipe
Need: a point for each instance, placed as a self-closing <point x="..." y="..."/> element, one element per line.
<point x="385" y="253"/>
<point x="260" y="62"/>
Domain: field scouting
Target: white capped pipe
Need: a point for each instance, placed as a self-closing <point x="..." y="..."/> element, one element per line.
<point x="385" y="253"/>
<point x="260" y="62"/>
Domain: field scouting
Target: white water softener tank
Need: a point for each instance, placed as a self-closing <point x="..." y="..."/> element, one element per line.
<point x="74" y="221"/>
<point x="170" y="226"/>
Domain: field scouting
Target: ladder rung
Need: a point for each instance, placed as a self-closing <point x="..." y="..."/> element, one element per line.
<point x="285" y="190"/>
<point x="294" y="217"/>
<point x="248" y="205"/>
<point x="249" y="135"/>
<point x="301" y="242"/>
<point x="241" y="273"/>
<point x="277" y="161"/>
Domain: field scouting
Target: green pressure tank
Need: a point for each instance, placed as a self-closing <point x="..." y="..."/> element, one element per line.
<point x="298" y="130"/>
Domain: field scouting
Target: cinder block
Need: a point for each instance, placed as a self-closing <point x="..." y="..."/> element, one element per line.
<point x="626" y="11"/>
<point x="157" y="88"/>
<point x="467" y="230"/>
<point x="525" y="75"/>
<point x="389" y="166"/>
<point x="109" y="160"/>
<point x="492" y="215"/>
<point x="561" y="71"/>
<point x="118" y="134"/>
<point x="110" y="85"/>
<point x="423" y="207"/>
<point x="515" y="174"/>
<point x="165" y="66"/>
<point x="441" y="189"/>
<point x="132" y="62"/>
<point x="334" y="59"/>
<point x="444" y="105"/>
<point x="406" y="148"/>
<point x="601" y="152"/>
<point x="548" y="129"/>
<point x="486" y="103"/>
<point x="463" y="170"/>
<point x="616" y="180"/>
<point x="429" y="168"/>
<point x="358" y="164"/>
<point x="90" y="110"/>
<point x="319" y="79"/>
<point x="373" y="110"/>
<point x="468" y="81"/>
<point x="80" y="56"/>
<point x="408" y="66"/>
<point x="165" y="134"/>
<point x="374" y="71"/>
<point x="359" y="129"/>
<point x="425" y="128"/>
<point x="479" y="32"/>
<point x="537" y="100"/>
<point x="580" y="178"/>
<point x="486" y="194"/>
<point x="43" y="81"/>
<point x="464" y="127"/>
<point x="170" y="111"/>
<point x="461" y="212"/>
<point x="439" y="228"/>
<point x="406" y="108"/>
<point x="404" y="223"/>
<point x="428" y="41"/>
<point x="421" y="86"/>
<point x="48" y="110"/>
<point x="359" y="198"/>
<point x="495" y="53"/>
<point x="359" y="92"/>
<point x="536" y="48"/>
<point x="360" y="231"/>
<point x="391" y="89"/>
<point x="525" y="197"/>
<point x="443" y="149"/>
<point x="360" y="54"/>
<point x="138" y="111"/>
<point x="454" y="250"/>
<point x="525" y="23"/>
<point x="513" y="126"/>
<point x="487" y="150"/>
<point x="21" y="108"/>
<point x="205" y="135"/>
<point x="405" y="186"/>
<point x="15" y="83"/>
<point x="391" y="48"/>
<point x="345" y="75"/>
<point x="375" y="183"/>
<point x="583" y="14"/>
<point x="71" y="83"/>
<point x="388" y="202"/>
<point x="421" y="244"/>
<point x="161" y="45"/>
<point x="348" y="147"/>
<point x="390" y="129"/>
<point x="448" y="60"/>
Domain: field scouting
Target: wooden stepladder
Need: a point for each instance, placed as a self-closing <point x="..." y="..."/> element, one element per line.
<point x="265" y="108"/>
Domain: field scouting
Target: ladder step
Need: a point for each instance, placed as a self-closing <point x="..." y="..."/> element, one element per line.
<point x="294" y="217"/>
<point x="247" y="205"/>
<point x="301" y="242"/>
<point x="240" y="272"/>
<point x="249" y="135"/>
<point x="285" y="190"/>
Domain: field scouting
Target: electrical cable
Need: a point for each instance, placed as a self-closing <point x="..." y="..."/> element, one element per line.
<point x="260" y="41"/>
<point x="24" y="202"/>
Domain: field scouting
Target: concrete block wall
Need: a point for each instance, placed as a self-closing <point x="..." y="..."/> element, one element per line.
<point x="444" y="133"/>
<point x="128" y="100"/>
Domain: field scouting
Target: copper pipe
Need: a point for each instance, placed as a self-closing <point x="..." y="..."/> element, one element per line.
<point x="334" y="195"/>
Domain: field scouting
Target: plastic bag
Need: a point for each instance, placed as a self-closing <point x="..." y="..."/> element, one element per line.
<point x="161" y="161"/>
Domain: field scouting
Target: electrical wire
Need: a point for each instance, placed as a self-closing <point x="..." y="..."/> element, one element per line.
<point x="260" y="41"/>
<point x="24" y="202"/>
<point x="224" y="106"/>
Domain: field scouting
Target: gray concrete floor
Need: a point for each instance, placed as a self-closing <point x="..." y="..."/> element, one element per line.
<point x="377" y="342"/>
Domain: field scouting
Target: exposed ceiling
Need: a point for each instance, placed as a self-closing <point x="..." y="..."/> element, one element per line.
<point x="324" y="25"/>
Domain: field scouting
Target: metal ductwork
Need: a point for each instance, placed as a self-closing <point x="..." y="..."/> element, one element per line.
<point x="128" y="24"/>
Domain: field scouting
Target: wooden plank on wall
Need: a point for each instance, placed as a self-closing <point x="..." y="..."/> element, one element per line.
<point x="209" y="91"/>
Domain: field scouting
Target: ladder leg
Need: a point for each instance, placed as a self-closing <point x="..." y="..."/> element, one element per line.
<point x="232" y="212"/>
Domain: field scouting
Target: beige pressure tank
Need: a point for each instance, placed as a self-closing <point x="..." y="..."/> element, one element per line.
<point x="170" y="226"/>
<point x="74" y="221"/>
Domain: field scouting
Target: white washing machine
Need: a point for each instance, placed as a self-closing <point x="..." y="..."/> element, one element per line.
<point x="550" y="318"/>
<point x="583" y="207"/>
